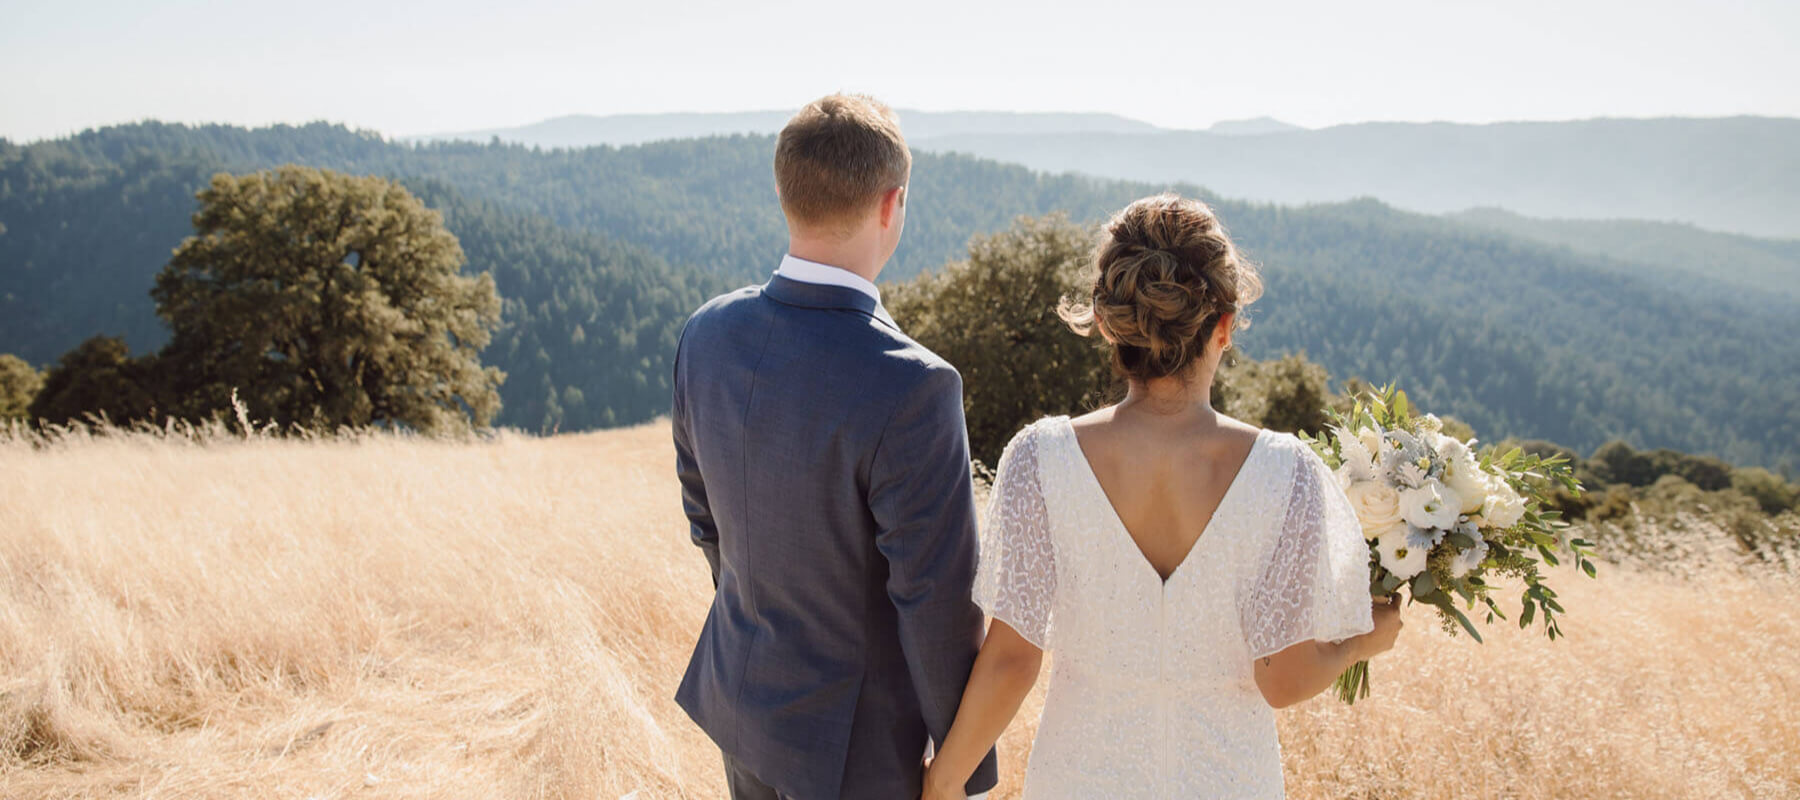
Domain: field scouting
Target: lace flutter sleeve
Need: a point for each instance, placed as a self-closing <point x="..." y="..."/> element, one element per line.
<point x="1315" y="584"/>
<point x="1016" y="578"/>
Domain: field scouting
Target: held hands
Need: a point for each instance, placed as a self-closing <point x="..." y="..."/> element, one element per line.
<point x="937" y="787"/>
<point x="1387" y="628"/>
<point x="933" y="792"/>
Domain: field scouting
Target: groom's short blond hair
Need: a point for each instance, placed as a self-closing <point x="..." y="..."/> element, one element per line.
<point x="837" y="157"/>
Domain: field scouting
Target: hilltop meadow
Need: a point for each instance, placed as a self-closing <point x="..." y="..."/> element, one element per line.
<point x="207" y="614"/>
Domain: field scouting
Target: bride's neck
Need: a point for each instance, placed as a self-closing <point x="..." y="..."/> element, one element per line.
<point x="1171" y="396"/>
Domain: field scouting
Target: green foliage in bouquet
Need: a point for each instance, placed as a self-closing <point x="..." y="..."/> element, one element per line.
<point x="1445" y="523"/>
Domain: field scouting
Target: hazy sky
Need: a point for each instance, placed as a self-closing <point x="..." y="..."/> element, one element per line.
<point x="419" y="67"/>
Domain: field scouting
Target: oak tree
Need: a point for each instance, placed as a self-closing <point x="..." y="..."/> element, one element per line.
<point x="326" y="299"/>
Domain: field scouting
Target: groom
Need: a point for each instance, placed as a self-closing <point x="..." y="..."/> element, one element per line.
<point x="824" y="470"/>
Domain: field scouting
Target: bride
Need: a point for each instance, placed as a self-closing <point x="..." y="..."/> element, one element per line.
<point x="1189" y="571"/>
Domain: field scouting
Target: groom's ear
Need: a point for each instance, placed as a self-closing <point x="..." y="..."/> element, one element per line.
<point x="893" y="201"/>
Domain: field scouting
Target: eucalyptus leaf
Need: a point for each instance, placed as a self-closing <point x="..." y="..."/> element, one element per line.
<point x="1466" y="624"/>
<point x="1424" y="585"/>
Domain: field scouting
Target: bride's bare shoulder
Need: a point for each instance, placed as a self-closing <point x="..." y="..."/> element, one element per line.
<point x="1093" y="418"/>
<point x="1238" y="429"/>
<point x="1103" y="426"/>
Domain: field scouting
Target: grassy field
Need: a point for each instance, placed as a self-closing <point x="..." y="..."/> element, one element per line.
<point x="402" y="618"/>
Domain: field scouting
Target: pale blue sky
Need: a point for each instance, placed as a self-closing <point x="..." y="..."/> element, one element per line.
<point x="418" y="67"/>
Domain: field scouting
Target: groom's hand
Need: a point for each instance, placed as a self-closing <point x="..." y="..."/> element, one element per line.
<point x="933" y="791"/>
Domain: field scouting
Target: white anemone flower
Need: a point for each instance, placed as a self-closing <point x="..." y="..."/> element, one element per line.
<point x="1430" y="505"/>
<point x="1403" y="551"/>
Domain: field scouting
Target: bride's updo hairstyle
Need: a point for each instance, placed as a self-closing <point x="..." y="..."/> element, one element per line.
<point x="1166" y="273"/>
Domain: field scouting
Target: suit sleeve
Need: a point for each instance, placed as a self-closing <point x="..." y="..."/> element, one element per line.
<point x="924" y="509"/>
<point x="687" y="469"/>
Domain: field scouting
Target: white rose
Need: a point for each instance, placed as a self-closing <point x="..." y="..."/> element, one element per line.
<point x="1503" y="507"/>
<point x="1377" y="506"/>
<point x="1464" y="476"/>
<point x="1402" y="553"/>
<point x="1431" y="505"/>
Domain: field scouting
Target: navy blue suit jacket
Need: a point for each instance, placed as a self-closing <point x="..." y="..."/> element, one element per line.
<point x="824" y="469"/>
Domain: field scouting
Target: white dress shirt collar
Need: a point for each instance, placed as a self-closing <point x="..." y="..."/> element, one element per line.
<point x="799" y="269"/>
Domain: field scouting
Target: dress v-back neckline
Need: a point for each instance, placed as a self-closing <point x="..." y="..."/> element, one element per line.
<point x="1093" y="479"/>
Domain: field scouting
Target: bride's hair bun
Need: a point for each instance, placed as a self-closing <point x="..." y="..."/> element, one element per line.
<point x="1166" y="273"/>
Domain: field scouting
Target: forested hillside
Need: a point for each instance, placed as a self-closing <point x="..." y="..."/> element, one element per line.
<point x="600" y="253"/>
<point x="588" y="325"/>
<point x="1673" y="252"/>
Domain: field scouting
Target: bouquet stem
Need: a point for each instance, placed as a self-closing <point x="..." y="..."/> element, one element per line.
<point x="1353" y="685"/>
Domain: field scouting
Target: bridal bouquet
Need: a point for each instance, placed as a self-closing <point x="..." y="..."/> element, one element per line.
<point x="1442" y="519"/>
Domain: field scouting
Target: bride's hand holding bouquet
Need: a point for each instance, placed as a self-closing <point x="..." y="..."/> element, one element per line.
<point x="1443" y="520"/>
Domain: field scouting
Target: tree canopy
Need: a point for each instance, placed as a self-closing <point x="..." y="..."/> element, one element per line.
<point x="99" y="379"/>
<point x="326" y="299"/>
<point x="993" y="316"/>
<point x="19" y="383"/>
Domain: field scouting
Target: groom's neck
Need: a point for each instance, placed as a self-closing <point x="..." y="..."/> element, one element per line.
<point x="859" y="255"/>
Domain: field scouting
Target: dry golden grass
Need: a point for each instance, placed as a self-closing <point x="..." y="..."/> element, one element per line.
<point x="391" y="617"/>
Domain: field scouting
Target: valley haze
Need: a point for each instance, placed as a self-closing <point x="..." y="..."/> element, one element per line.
<point x="1730" y="174"/>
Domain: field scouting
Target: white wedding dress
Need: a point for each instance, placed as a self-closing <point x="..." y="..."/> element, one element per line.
<point x="1152" y="693"/>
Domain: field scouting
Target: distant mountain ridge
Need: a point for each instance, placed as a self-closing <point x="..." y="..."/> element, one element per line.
<point x="1252" y="127"/>
<point x="620" y="130"/>
<point x="583" y="130"/>
<point x="1734" y="174"/>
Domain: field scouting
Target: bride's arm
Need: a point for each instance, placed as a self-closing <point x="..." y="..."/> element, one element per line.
<point x="1308" y="668"/>
<point x="1004" y="673"/>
